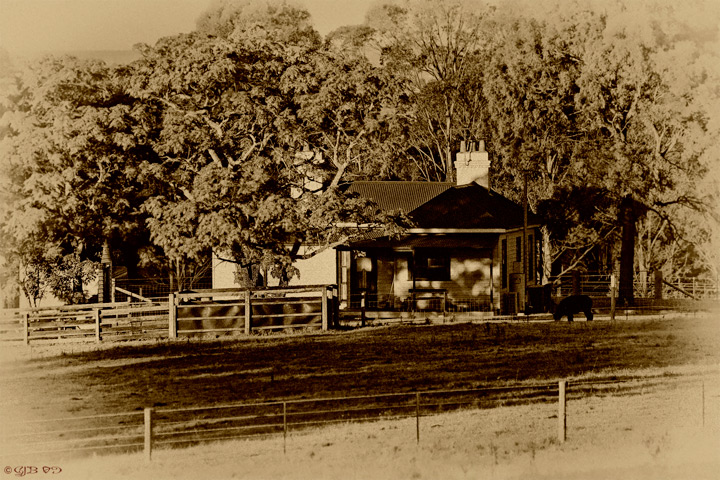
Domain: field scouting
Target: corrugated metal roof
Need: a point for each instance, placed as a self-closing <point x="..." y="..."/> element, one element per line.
<point x="403" y="196"/>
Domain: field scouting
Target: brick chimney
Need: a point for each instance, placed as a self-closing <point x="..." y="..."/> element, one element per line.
<point x="472" y="164"/>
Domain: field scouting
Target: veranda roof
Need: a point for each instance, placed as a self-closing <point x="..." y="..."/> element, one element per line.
<point x="480" y="241"/>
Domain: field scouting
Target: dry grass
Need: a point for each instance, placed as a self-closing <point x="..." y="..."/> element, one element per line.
<point x="658" y="435"/>
<point x="511" y="442"/>
<point x="112" y="378"/>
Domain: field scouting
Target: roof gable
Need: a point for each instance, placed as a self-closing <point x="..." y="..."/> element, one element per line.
<point x="470" y="206"/>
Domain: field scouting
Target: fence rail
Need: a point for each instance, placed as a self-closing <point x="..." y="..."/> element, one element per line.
<point x="436" y="300"/>
<point x="597" y="286"/>
<point x="645" y="286"/>
<point x="156" y="428"/>
<point x="202" y="312"/>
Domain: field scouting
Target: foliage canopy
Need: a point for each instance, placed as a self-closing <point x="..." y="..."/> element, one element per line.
<point x="239" y="137"/>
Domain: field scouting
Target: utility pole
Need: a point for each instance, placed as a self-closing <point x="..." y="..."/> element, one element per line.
<point x="448" y="153"/>
<point x="524" y="240"/>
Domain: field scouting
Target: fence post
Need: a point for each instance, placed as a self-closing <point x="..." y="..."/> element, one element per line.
<point x="96" y="313"/>
<point x="335" y="303"/>
<point x="172" y="316"/>
<point x="445" y="298"/>
<point x="613" y="291"/>
<point x="324" y="309"/>
<point x="284" y="427"/>
<point x="363" y="297"/>
<point x="248" y="312"/>
<point x="562" y="385"/>
<point x="576" y="283"/>
<point x="417" y="417"/>
<point x="148" y="434"/>
<point x="26" y="328"/>
<point x="703" y="404"/>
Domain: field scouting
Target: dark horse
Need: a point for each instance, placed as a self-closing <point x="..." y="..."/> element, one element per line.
<point x="574" y="304"/>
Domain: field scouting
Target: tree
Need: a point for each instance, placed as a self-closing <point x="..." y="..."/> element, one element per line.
<point x="69" y="177"/>
<point x="227" y="171"/>
<point x="638" y="95"/>
<point x="434" y="47"/>
<point x="347" y="114"/>
<point x="281" y="21"/>
<point x="530" y="89"/>
<point x="588" y="99"/>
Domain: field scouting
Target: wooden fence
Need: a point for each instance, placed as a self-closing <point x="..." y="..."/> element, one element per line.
<point x="81" y="322"/>
<point x="201" y="312"/>
<point x="227" y="311"/>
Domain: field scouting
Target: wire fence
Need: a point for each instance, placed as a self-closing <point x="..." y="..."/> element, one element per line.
<point x="644" y="286"/>
<point x="162" y="428"/>
<point x="153" y="288"/>
<point x="434" y="300"/>
<point x="650" y="293"/>
<point x="121" y="432"/>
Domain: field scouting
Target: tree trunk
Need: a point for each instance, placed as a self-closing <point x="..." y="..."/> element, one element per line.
<point x="171" y="279"/>
<point x="249" y="276"/>
<point x="546" y="255"/>
<point x="627" y="250"/>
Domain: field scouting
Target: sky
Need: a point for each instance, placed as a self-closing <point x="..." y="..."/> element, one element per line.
<point x="47" y="26"/>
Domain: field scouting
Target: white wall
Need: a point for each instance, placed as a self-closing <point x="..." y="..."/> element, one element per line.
<point x="49" y="300"/>
<point x="223" y="273"/>
<point x="317" y="270"/>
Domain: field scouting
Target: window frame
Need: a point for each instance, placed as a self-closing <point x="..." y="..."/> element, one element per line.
<point x="432" y="266"/>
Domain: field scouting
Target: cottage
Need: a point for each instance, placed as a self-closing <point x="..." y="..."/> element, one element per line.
<point x="465" y="252"/>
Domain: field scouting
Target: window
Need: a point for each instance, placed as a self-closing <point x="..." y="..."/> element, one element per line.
<point x="344" y="280"/>
<point x="518" y="249"/>
<point x="433" y="266"/>
<point x="403" y="272"/>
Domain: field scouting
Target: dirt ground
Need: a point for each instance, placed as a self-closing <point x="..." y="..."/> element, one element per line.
<point x="661" y="435"/>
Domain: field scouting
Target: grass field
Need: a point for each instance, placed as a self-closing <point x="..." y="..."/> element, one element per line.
<point x="54" y="381"/>
<point x="50" y="381"/>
